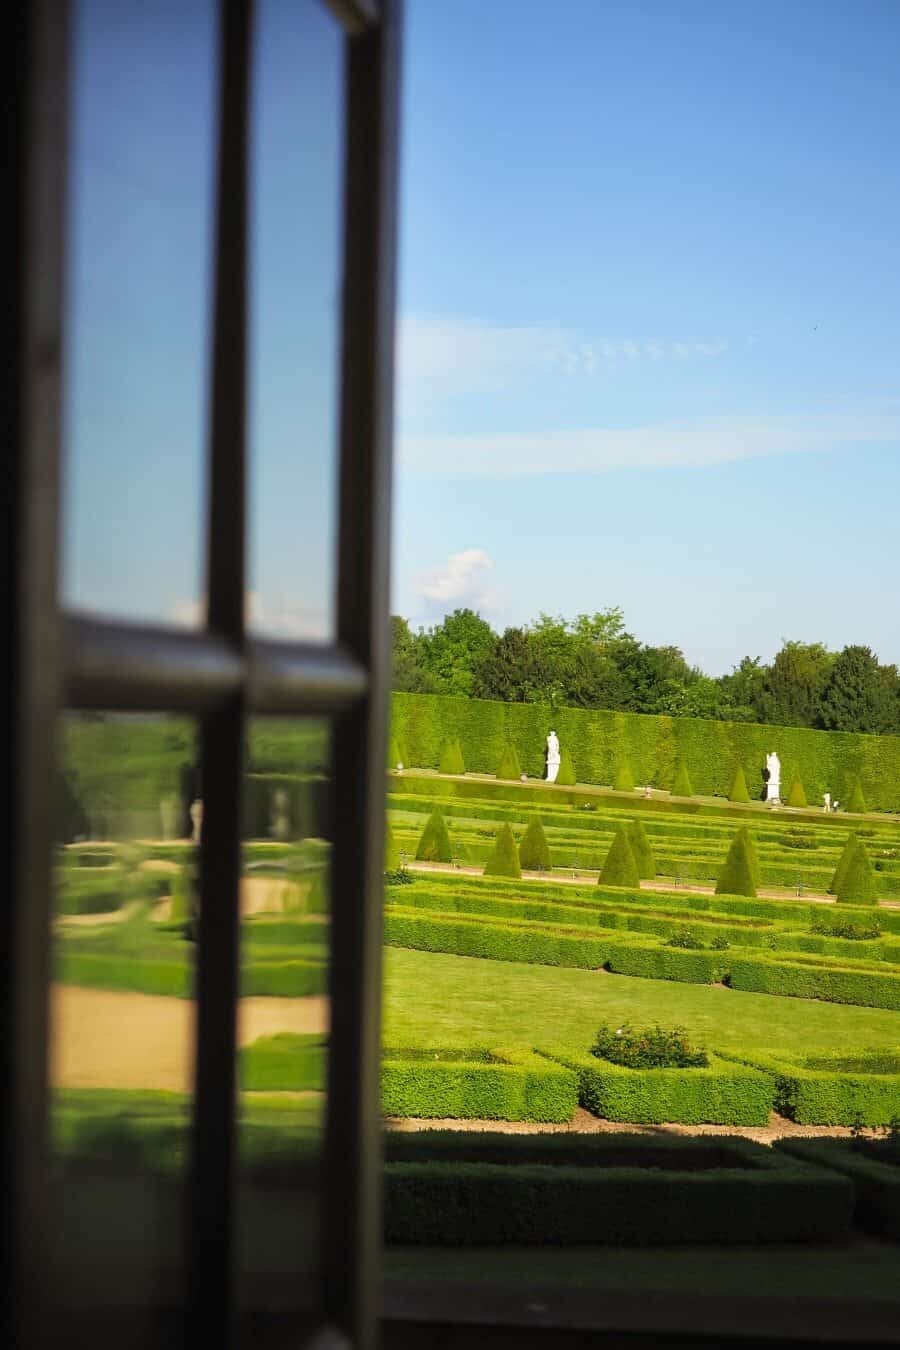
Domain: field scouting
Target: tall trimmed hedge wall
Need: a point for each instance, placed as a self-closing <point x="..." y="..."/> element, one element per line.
<point x="825" y="761"/>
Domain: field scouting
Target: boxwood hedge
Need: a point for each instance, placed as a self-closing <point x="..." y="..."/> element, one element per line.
<point x="476" y="1085"/>
<point x="876" y="1184"/>
<point x="832" y="1095"/>
<point x="724" y="1093"/>
<point x="469" y="1189"/>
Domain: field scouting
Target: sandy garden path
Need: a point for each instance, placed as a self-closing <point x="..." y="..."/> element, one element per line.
<point x="111" y="1038"/>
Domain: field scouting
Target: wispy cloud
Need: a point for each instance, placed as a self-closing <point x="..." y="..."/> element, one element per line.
<point x="280" y="616"/>
<point x="687" y="444"/>
<point x="464" y="580"/>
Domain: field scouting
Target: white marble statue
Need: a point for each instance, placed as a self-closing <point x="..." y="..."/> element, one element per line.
<point x="196" y="820"/>
<point x="773" y="790"/>
<point x="827" y="802"/>
<point x="552" y="757"/>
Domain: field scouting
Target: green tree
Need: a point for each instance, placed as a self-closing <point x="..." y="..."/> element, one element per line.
<point x="857" y="802"/>
<point x="452" y="651"/>
<point x="792" y="685"/>
<point x="507" y="671"/>
<point x="620" y="867"/>
<point x="640" y="847"/>
<point x="737" y="876"/>
<point x="738" y="790"/>
<point x="858" y="694"/>
<point x="434" y="843"/>
<point x="681" y="785"/>
<point x="858" y="882"/>
<point x="509" y="766"/>
<point x="534" y="851"/>
<point x="566" y="776"/>
<point x="408" y="672"/>
<point x="843" y="863"/>
<point x="743" y="690"/>
<point x="504" y="860"/>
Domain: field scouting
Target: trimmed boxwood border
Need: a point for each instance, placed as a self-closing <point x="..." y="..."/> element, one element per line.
<point x="471" y="1190"/>
<point x="724" y="1093"/>
<point x="513" y="1085"/>
<point x="876" y="1184"/>
<point x="826" y="1097"/>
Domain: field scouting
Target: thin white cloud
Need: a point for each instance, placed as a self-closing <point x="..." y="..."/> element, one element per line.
<point x="687" y="444"/>
<point x="278" y="617"/>
<point x="464" y="580"/>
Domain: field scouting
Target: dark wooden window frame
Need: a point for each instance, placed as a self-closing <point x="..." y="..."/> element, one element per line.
<point x="60" y="660"/>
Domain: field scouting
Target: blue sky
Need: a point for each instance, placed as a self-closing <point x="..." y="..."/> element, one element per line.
<point x="649" y="328"/>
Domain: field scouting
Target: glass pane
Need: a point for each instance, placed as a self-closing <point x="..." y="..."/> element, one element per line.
<point x="122" y="1012"/>
<point x="283" y="1018"/>
<point x="140" y="233"/>
<point x="295" y="319"/>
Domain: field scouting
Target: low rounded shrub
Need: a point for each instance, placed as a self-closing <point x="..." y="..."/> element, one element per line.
<point x="683" y="937"/>
<point x="651" y="1048"/>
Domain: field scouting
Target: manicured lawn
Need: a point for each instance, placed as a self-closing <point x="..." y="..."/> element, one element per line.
<point x="435" y="999"/>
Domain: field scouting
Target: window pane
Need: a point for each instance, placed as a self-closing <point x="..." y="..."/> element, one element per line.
<point x="295" y="318"/>
<point x="140" y="232"/>
<point x="283" y="1017"/>
<point x="123" y="1032"/>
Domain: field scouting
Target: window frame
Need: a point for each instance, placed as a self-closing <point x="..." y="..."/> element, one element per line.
<point x="60" y="660"/>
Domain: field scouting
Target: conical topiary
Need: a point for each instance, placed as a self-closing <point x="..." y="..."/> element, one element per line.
<point x="452" y="758"/>
<point x="858" y="882"/>
<point x="434" y="844"/>
<point x="737" y="875"/>
<point x="681" y="784"/>
<point x="738" y="791"/>
<point x="754" y="857"/>
<point x="534" y="851"/>
<point x="640" y="847"/>
<point x="624" y="779"/>
<point x="180" y="905"/>
<point x="504" y="860"/>
<point x="797" y="794"/>
<point x="620" y="868"/>
<point x="509" y="766"/>
<point x="566" y="775"/>
<point x="843" y="863"/>
<point x="391" y="850"/>
<point x="395" y="754"/>
<point x="857" y="802"/>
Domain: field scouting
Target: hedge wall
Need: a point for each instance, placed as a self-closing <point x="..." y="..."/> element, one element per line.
<point x="828" y="1096"/>
<point x="876" y="1184"/>
<point x="724" y="1093"/>
<point x="826" y="761"/>
<point x="287" y="1062"/>
<point x="476" y="1085"/>
<point x="283" y="979"/>
<point x="622" y="1189"/>
<point x="865" y="989"/>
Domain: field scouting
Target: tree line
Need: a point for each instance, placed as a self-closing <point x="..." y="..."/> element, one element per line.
<point x="592" y="661"/>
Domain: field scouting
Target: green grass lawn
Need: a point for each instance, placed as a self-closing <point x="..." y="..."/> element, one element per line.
<point x="432" y="998"/>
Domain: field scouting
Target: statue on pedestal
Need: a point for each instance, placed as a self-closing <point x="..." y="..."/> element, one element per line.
<point x="773" y="787"/>
<point x="552" y="757"/>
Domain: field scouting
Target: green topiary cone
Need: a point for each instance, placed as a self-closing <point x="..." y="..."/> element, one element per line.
<point x="797" y="795"/>
<point x="857" y="802"/>
<point x="681" y="785"/>
<point x="858" y="882"/>
<point x="391" y="851"/>
<point x="434" y="844"/>
<point x="640" y="847"/>
<point x="843" y="863"/>
<point x="620" y="868"/>
<point x="566" y="776"/>
<point x="395" y="755"/>
<point x="504" y="860"/>
<point x="534" y="851"/>
<point x="452" y="758"/>
<point x="737" y="875"/>
<point x="738" y="791"/>
<point x="624" y="779"/>
<point x="509" y="763"/>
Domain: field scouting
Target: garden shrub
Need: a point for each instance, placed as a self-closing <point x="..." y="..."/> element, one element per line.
<point x="509" y="766"/>
<point x="720" y="1092"/>
<point x="831" y="983"/>
<point x="624" y="777"/>
<point x="566" y="775"/>
<point x="476" y="1085"/>
<point x="738" y="790"/>
<point x="829" y="1090"/>
<point x="685" y="939"/>
<point x="843" y="863"/>
<point x="681" y="784"/>
<point x="737" y="874"/>
<point x="876" y="1184"/>
<point x="651" y="1048"/>
<point x="797" y="795"/>
<point x="391" y="851"/>
<point x="620" y="867"/>
<point x="434" y="843"/>
<point x="496" y="940"/>
<point x="452" y="761"/>
<point x="534" y="851"/>
<point x="504" y="860"/>
<point x="852" y="930"/>
<point x="461" y="1189"/>
<point x="284" y="979"/>
<point x="286" y="1062"/>
<point x="857" y="886"/>
<point x="856" y="801"/>
<point x="640" y="847"/>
